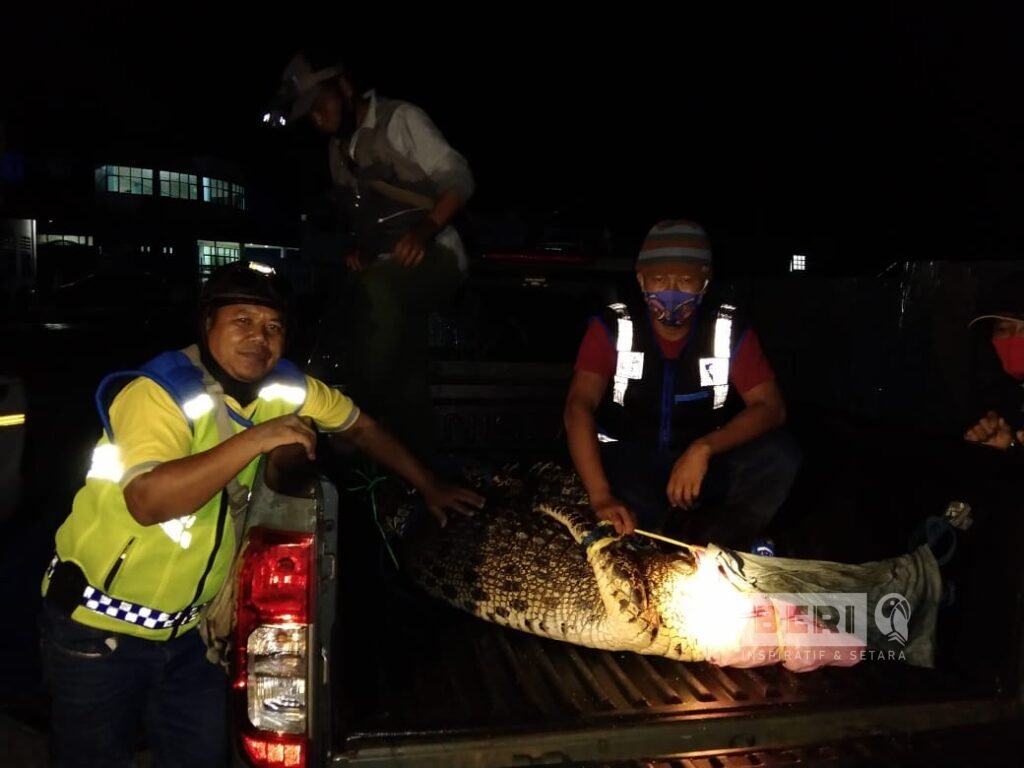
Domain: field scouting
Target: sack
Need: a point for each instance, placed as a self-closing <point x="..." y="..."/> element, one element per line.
<point x="218" y="619"/>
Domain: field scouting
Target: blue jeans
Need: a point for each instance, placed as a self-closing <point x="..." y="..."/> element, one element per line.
<point x="104" y="686"/>
<point x="740" y="495"/>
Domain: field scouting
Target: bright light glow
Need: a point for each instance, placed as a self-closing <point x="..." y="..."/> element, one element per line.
<point x="293" y="395"/>
<point x="178" y="530"/>
<point x="106" y="463"/>
<point x="263" y="269"/>
<point x="12" y="419"/>
<point x="716" y="614"/>
<point x="198" y="406"/>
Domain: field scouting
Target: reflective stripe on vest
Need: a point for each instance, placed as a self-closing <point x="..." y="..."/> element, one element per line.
<point x="628" y="364"/>
<point x="290" y="394"/>
<point x="97" y="601"/>
<point x="198" y="406"/>
<point x="197" y="546"/>
<point x="714" y="371"/>
<point x="106" y="463"/>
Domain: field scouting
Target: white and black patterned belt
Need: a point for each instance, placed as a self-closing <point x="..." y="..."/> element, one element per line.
<point x="97" y="601"/>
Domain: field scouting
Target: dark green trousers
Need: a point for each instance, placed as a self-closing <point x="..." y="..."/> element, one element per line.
<point x="391" y="305"/>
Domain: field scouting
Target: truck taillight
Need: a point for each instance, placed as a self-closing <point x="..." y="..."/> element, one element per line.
<point x="275" y="752"/>
<point x="276" y="583"/>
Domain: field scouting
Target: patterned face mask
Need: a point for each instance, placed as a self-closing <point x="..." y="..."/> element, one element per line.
<point x="672" y="307"/>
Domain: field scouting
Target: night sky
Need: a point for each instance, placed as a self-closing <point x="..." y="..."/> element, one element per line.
<point x="863" y="136"/>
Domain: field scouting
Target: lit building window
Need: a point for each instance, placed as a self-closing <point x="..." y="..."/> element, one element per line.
<point x="213" y="254"/>
<point x="65" y="239"/>
<point x="216" y="191"/>
<point x="798" y="263"/>
<point x="168" y="249"/>
<point x="124" y="180"/>
<point x="223" y="192"/>
<point x="184" y="186"/>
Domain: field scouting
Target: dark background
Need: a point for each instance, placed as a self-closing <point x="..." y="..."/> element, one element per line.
<point x="860" y="135"/>
<point x="864" y="136"/>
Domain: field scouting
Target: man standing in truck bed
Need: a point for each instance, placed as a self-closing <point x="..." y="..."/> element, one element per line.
<point x="673" y="404"/>
<point x="401" y="185"/>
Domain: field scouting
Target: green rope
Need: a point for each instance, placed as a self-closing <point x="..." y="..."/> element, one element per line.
<point x="370" y="487"/>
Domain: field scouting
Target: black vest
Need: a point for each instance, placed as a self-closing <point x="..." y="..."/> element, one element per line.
<point x="379" y="219"/>
<point x="671" y="405"/>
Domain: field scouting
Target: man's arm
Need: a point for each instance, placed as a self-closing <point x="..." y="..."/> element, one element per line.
<point x="586" y="391"/>
<point x="180" y="487"/>
<point x="412" y="247"/>
<point x="447" y="206"/>
<point x="765" y="410"/>
<point x="370" y="438"/>
<point x="415" y="136"/>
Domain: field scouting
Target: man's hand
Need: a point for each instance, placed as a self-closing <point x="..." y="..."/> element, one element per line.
<point x="688" y="474"/>
<point x="441" y="496"/>
<point x="409" y="251"/>
<point x="284" y="430"/>
<point x="992" y="431"/>
<point x="615" y="512"/>
<point x="354" y="261"/>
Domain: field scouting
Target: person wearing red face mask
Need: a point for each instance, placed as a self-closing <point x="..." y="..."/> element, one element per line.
<point x="1002" y="425"/>
<point x="673" y="404"/>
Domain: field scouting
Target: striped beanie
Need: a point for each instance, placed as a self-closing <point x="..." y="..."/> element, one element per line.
<point x="675" y="240"/>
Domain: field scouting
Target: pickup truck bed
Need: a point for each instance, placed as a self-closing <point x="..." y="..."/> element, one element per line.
<point x="414" y="683"/>
<point x="418" y="683"/>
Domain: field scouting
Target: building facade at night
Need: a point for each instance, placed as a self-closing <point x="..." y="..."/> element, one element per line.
<point x="127" y="224"/>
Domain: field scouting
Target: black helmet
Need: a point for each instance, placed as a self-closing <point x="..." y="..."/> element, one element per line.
<point x="245" y="282"/>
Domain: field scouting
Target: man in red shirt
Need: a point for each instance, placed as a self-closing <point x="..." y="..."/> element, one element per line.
<point x="673" y="404"/>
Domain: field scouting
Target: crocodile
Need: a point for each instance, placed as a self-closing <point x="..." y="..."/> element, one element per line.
<point x="537" y="561"/>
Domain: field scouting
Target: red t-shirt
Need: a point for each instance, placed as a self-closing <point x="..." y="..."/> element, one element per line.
<point x="747" y="369"/>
